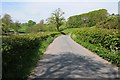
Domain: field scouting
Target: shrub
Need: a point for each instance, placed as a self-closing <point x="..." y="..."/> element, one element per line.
<point x="21" y="52"/>
<point x="104" y="42"/>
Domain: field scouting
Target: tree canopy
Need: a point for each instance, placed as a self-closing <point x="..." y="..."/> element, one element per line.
<point x="56" y="18"/>
<point x="6" y="23"/>
<point x="87" y="19"/>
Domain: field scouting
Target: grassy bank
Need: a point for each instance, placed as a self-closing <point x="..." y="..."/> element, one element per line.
<point x="21" y="52"/>
<point x="104" y="42"/>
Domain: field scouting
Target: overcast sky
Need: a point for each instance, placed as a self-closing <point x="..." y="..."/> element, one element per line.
<point x="36" y="10"/>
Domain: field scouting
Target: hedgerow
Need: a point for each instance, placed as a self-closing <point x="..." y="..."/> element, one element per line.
<point x="105" y="43"/>
<point x="21" y="52"/>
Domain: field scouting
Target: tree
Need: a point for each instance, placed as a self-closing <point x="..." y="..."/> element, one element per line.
<point x="16" y="26"/>
<point x="6" y="23"/>
<point x="41" y="26"/>
<point x="56" y="18"/>
<point x="31" y="23"/>
<point x="87" y="19"/>
<point x="37" y="27"/>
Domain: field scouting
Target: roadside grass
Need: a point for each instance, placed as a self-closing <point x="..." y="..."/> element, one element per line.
<point x="98" y="41"/>
<point x="21" y="53"/>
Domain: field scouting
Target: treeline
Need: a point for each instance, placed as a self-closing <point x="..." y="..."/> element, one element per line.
<point x="56" y="22"/>
<point x="51" y="24"/>
<point x="8" y="26"/>
<point x="99" y="18"/>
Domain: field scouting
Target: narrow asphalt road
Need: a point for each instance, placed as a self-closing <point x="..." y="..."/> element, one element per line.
<point x="64" y="58"/>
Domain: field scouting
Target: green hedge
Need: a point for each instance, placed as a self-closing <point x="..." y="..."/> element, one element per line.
<point x="104" y="42"/>
<point x="109" y="39"/>
<point x="21" y="52"/>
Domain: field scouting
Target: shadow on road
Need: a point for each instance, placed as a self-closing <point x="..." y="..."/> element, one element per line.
<point x="69" y="65"/>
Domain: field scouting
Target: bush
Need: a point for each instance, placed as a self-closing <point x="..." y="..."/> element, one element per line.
<point x="110" y="23"/>
<point x="21" y="52"/>
<point x="108" y="39"/>
<point x="104" y="42"/>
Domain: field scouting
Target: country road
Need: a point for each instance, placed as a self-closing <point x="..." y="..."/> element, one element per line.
<point x="64" y="58"/>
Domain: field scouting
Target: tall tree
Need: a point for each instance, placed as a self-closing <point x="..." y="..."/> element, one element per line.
<point x="6" y="23"/>
<point x="56" y="18"/>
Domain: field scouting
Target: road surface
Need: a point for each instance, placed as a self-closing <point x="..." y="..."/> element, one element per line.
<point x="64" y="58"/>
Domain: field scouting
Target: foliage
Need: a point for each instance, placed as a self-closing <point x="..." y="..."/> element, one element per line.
<point x="51" y="27"/>
<point x="56" y="18"/>
<point x="63" y="26"/>
<point x="6" y="23"/>
<point x="40" y="27"/>
<point x="105" y="43"/>
<point x="110" y="23"/>
<point x="21" y="52"/>
<point x="26" y="27"/>
<point x="23" y="28"/>
<point x="9" y="26"/>
<point x="16" y="26"/>
<point x="31" y="23"/>
<point x="87" y="19"/>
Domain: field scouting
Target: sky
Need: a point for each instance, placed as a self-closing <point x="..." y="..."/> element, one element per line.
<point x="37" y="10"/>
